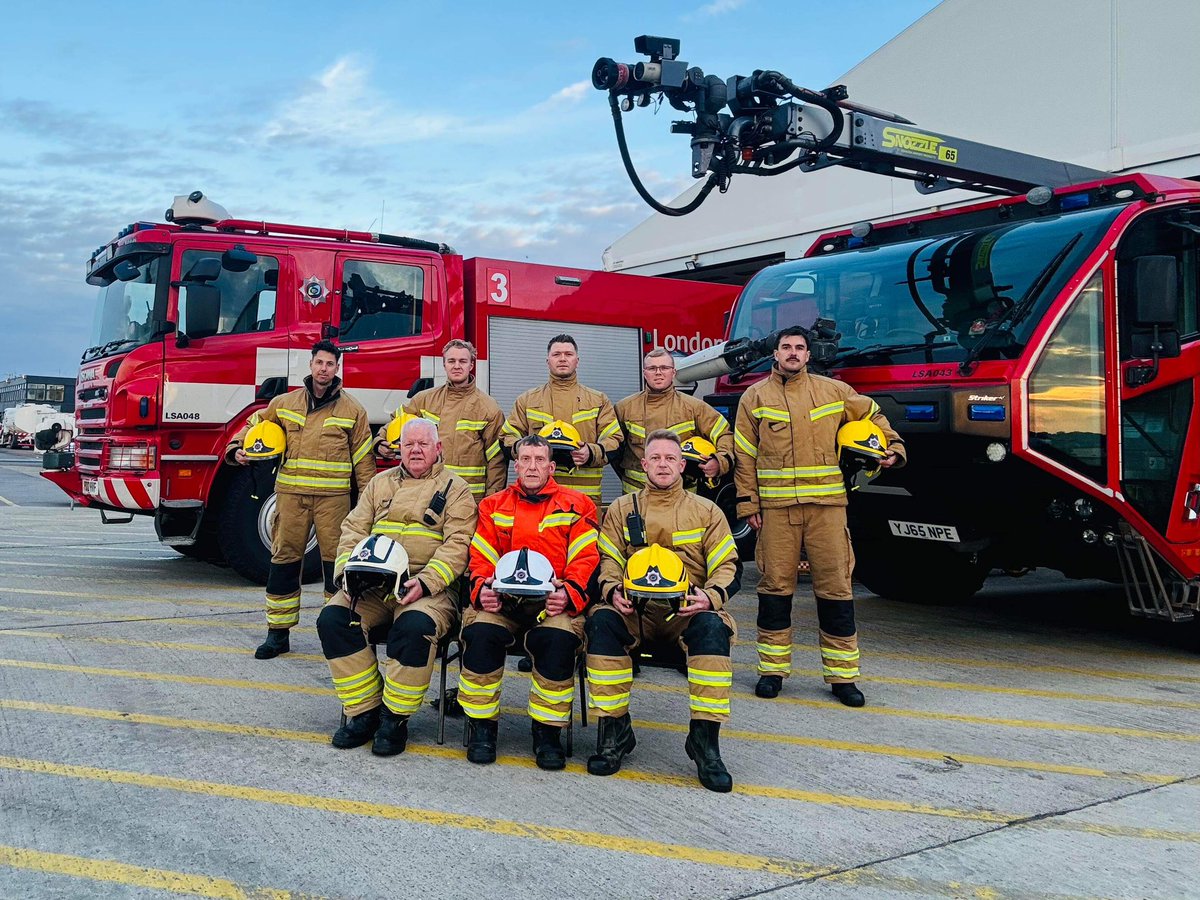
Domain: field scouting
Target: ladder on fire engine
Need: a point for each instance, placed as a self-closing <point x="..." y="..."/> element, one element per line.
<point x="1153" y="589"/>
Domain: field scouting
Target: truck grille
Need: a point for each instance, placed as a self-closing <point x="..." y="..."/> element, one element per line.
<point x="95" y="412"/>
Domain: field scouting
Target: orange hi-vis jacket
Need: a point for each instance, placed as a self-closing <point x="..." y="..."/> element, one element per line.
<point x="560" y="523"/>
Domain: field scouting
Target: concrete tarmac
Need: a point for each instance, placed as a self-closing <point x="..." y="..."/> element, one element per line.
<point x="1035" y="742"/>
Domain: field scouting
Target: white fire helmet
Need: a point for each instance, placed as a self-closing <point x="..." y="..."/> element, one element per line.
<point x="376" y="563"/>
<point x="524" y="573"/>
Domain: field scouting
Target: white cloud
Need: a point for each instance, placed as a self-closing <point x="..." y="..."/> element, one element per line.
<point x="716" y="8"/>
<point x="340" y="100"/>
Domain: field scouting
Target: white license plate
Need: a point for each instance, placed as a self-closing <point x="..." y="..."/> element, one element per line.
<point x="91" y="487"/>
<point x="924" y="532"/>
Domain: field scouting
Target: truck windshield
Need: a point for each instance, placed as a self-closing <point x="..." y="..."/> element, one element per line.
<point x="125" y="312"/>
<point x="930" y="299"/>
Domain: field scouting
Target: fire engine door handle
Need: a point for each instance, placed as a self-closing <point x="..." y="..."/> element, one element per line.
<point x="1191" y="503"/>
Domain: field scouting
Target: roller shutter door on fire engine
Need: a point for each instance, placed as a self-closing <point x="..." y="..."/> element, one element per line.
<point x="610" y="361"/>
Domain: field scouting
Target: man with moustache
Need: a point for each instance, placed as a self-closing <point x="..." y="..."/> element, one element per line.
<point x="791" y="489"/>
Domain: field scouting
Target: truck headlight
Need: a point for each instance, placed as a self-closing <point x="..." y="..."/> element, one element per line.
<point x="139" y="457"/>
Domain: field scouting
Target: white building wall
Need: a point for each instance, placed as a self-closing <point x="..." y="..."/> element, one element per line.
<point x="1109" y="84"/>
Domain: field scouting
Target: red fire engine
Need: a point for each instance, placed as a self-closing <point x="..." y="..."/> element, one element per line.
<point x="203" y="319"/>
<point x="1039" y="352"/>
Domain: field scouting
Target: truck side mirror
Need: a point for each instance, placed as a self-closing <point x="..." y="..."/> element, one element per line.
<point x="203" y="311"/>
<point x="1156" y="305"/>
<point x="126" y="271"/>
<point x="205" y="269"/>
<point x="238" y="259"/>
<point x="1156" y="291"/>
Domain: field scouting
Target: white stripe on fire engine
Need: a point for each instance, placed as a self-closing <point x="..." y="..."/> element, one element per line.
<point x="276" y="362"/>
<point x="185" y="401"/>
<point x="116" y="492"/>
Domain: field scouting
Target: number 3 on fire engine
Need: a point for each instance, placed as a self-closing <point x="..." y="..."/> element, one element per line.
<point x="500" y="280"/>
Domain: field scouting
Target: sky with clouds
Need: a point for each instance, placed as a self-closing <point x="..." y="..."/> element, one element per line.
<point x="472" y="123"/>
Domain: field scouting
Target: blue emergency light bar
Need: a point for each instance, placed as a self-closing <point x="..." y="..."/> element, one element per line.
<point x="920" y="412"/>
<point x="986" y="412"/>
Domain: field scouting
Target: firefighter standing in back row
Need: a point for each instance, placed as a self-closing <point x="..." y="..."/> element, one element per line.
<point x="564" y="399"/>
<point x="469" y="423"/>
<point x="694" y="529"/>
<point x="328" y="441"/>
<point x="661" y="406"/>
<point x="431" y="514"/>
<point x="792" y="491"/>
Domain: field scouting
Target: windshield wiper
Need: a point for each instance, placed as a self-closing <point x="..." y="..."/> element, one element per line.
<point x="881" y="350"/>
<point x="1021" y="309"/>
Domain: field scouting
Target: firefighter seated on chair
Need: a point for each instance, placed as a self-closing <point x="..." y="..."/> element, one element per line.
<point x="431" y="514"/>
<point x="668" y="566"/>
<point x="532" y="558"/>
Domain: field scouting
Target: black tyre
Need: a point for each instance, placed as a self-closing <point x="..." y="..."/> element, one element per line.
<point x="244" y="533"/>
<point x="917" y="574"/>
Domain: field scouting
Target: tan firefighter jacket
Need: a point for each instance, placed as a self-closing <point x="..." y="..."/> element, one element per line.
<point x="691" y="526"/>
<point x="645" y="412"/>
<point x="400" y="506"/>
<point x="327" y="440"/>
<point x="589" y="411"/>
<point x="469" y="424"/>
<point x="786" y="440"/>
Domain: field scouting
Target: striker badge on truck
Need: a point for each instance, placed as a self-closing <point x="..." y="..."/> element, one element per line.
<point x="314" y="290"/>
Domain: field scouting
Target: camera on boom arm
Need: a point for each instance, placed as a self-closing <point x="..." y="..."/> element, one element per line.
<point x="687" y="89"/>
<point x="769" y="119"/>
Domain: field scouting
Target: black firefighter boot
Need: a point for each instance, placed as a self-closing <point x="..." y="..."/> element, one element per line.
<point x="702" y="746"/>
<point x="848" y="693"/>
<point x="613" y="740"/>
<point x="547" y="747"/>
<point x="357" y="730"/>
<point x="277" y="642"/>
<point x="392" y="736"/>
<point x="768" y="686"/>
<point x="481" y="740"/>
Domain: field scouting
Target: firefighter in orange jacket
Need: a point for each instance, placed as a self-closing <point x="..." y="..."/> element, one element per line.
<point x="429" y="512"/>
<point x="468" y="420"/>
<point x="791" y="489"/>
<point x="535" y="513"/>
<point x="328" y="439"/>
<point x="564" y="399"/>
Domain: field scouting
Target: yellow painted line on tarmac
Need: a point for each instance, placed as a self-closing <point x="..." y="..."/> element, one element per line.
<point x="1000" y="689"/>
<point x="6" y="502"/>
<point x="248" y="605"/>
<point x="979" y="635"/>
<point x="524" y="762"/>
<point x="211" y="622"/>
<point x="135" y="876"/>
<point x="1025" y="666"/>
<point x="164" y="676"/>
<point x="615" y="843"/>
<point x="878" y="749"/>
<point x="1118" y="831"/>
<point x="657" y="688"/>
<point x="991" y="721"/>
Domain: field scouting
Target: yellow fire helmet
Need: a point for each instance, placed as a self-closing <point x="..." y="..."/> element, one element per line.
<point x="695" y="451"/>
<point x="396" y="427"/>
<point x="861" y="446"/>
<point x="562" y="438"/>
<point x="264" y="441"/>
<point x="655" y="573"/>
